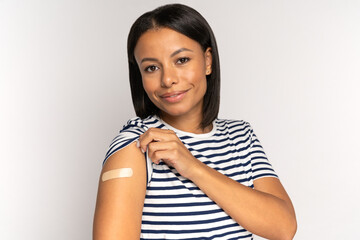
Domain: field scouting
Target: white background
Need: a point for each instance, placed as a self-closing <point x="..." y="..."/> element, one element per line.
<point x="290" y="68"/>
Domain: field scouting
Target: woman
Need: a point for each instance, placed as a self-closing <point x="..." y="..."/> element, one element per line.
<point x="177" y="171"/>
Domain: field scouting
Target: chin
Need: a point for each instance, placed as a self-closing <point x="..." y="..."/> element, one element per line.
<point x="174" y="112"/>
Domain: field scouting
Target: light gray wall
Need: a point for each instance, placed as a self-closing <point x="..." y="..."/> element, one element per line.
<point x="291" y="68"/>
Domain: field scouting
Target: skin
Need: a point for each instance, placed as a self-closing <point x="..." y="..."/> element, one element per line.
<point x="172" y="64"/>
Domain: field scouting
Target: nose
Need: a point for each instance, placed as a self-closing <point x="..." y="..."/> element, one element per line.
<point x="169" y="77"/>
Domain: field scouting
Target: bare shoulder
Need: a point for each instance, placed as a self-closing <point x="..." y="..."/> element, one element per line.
<point x="120" y="200"/>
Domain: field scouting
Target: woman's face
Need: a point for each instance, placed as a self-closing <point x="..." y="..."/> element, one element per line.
<point x="173" y="69"/>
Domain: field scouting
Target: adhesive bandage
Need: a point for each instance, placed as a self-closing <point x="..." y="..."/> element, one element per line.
<point x="117" y="173"/>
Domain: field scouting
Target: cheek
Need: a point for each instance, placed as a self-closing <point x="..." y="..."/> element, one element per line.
<point x="201" y="81"/>
<point x="203" y="86"/>
<point x="198" y="77"/>
<point x="196" y="74"/>
<point x="149" y="87"/>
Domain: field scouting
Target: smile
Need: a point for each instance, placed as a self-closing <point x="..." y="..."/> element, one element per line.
<point x="174" y="97"/>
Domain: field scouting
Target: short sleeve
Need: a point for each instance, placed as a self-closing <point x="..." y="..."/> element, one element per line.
<point x="261" y="166"/>
<point x="130" y="132"/>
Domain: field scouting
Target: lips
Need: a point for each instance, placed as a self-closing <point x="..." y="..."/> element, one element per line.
<point x="175" y="96"/>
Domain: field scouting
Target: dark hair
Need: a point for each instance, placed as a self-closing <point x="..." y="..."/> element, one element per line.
<point x="189" y="22"/>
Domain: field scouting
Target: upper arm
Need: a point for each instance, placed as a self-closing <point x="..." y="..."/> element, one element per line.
<point x="120" y="201"/>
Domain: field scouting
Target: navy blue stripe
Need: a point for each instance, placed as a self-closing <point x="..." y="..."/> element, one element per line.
<point x="183" y="138"/>
<point x="257" y="145"/>
<point x="261" y="169"/>
<point x="258" y="151"/>
<point x="147" y="171"/>
<point x="178" y="214"/>
<point x="260" y="157"/>
<point x="265" y="175"/>
<point x="166" y="196"/>
<point x="244" y="180"/>
<point x="232" y="175"/>
<point x="238" y="124"/>
<point x="174" y="205"/>
<point x="136" y="131"/>
<point x="222" y="128"/>
<point x="261" y="163"/>
<point x="245" y="236"/>
<point x="232" y="232"/>
<point x="212" y="237"/>
<point x="189" y="231"/>
<point x="166" y="188"/>
<point x="186" y="222"/>
<point x="162" y="171"/>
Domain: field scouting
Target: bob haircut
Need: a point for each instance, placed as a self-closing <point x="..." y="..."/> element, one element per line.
<point x="190" y="23"/>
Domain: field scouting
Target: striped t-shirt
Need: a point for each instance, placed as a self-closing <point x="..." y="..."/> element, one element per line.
<point x="174" y="207"/>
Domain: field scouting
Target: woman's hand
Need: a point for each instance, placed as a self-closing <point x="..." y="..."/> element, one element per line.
<point x="164" y="145"/>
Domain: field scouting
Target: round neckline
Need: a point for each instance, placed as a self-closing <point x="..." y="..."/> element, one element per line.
<point x="195" y="135"/>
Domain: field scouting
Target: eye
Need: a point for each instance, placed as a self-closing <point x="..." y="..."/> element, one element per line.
<point x="182" y="60"/>
<point x="151" y="68"/>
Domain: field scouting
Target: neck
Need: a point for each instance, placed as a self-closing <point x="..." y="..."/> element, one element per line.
<point x="186" y="123"/>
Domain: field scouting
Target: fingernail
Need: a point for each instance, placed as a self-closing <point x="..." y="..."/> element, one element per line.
<point x="137" y="143"/>
<point x="142" y="150"/>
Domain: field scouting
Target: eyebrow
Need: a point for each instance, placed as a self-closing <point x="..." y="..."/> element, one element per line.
<point x="179" y="51"/>
<point x="172" y="55"/>
<point x="149" y="59"/>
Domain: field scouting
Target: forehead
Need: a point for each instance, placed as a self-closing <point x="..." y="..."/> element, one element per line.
<point x="163" y="41"/>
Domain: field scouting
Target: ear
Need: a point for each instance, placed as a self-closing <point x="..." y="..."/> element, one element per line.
<point x="208" y="60"/>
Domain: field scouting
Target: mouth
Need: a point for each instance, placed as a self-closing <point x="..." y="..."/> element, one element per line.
<point x="174" y="97"/>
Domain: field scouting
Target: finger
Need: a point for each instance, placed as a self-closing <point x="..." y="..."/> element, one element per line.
<point x="154" y="147"/>
<point x="166" y="156"/>
<point x="155" y="135"/>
